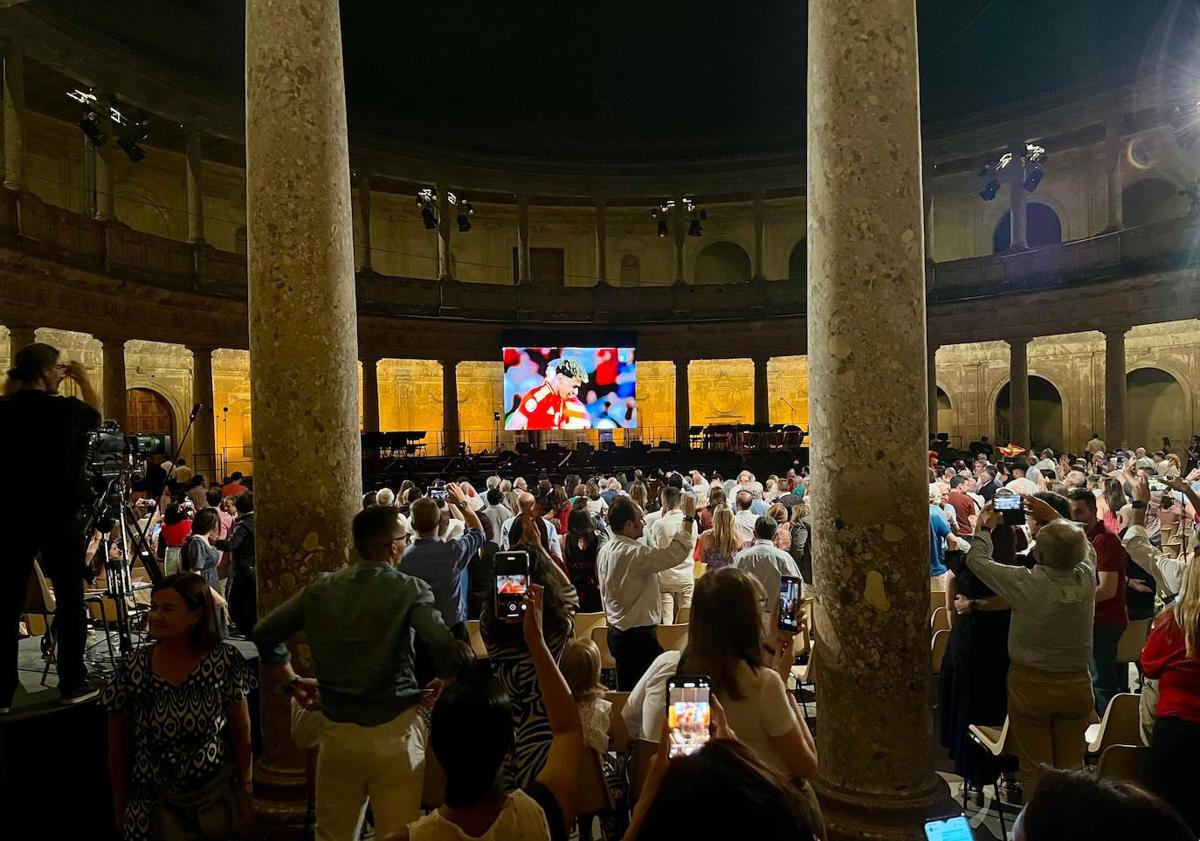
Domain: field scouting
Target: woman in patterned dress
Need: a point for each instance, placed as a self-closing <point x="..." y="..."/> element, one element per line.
<point x="178" y="719"/>
<point x="511" y="662"/>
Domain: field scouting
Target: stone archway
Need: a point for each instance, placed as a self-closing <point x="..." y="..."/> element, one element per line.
<point x="722" y="262"/>
<point x="945" y="413"/>
<point x="1042" y="227"/>
<point x="798" y="261"/>
<point x="1157" y="407"/>
<point x="149" y="412"/>
<point x="1047" y="427"/>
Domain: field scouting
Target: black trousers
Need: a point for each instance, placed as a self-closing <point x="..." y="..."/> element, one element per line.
<point x="634" y="650"/>
<point x="61" y="549"/>
<point x="1176" y="777"/>
<point x="243" y="602"/>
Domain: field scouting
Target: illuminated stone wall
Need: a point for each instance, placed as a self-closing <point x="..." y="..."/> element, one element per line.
<point x="656" y="401"/>
<point x="721" y="391"/>
<point x="480" y="395"/>
<point x="231" y="390"/>
<point x="787" y="384"/>
<point x="410" y="398"/>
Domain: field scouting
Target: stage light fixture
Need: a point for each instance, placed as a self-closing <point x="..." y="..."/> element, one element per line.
<point x="465" y="211"/>
<point x="89" y="122"/>
<point x="427" y="201"/>
<point x="1035" y="160"/>
<point x="695" y="229"/>
<point x="663" y="231"/>
<point x="131" y="135"/>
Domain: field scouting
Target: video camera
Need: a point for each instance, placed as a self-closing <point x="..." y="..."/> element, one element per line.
<point x="110" y="453"/>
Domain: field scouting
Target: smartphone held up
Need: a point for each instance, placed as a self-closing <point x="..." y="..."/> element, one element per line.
<point x="512" y="583"/>
<point x="689" y="713"/>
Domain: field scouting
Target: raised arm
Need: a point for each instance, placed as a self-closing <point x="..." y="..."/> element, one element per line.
<point x="1005" y="580"/>
<point x="443" y="647"/>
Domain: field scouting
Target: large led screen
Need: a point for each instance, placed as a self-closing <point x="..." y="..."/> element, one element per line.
<point x="569" y="388"/>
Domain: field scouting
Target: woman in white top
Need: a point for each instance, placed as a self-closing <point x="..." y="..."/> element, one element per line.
<point x="725" y="642"/>
<point x="596" y="506"/>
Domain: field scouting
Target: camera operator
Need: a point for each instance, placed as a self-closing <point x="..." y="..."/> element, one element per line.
<point x="43" y="447"/>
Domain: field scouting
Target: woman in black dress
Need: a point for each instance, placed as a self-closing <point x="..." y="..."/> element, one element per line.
<point x="974" y="676"/>
<point x="580" y="546"/>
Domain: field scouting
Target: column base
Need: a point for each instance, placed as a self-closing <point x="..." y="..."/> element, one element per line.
<point x="860" y="816"/>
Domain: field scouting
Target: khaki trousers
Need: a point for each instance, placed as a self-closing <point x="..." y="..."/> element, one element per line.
<point x="1048" y="715"/>
<point x="670" y="602"/>
<point x="385" y="764"/>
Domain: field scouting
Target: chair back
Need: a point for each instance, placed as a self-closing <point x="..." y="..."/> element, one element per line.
<point x="1125" y="762"/>
<point x="938" y="585"/>
<point x="476" y="637"/>
<point x="39" y="595"/>
<point x="1133" y="640"/>
<point x="600" y="637"/>
<point x="938" y="649"/>
<point x="639" y="765"/>
<point x="593" y="790"/>
<point x="618" y="732"/>
<point x="937" y="598"/>
<point x="1120" y="725"/>
<point x="940" y="621"/>
<point x="584" y="622"/>
<point x="672" y="637"/>
<point x="683" y="616"/>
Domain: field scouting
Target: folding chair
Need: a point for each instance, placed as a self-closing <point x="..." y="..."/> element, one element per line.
<point x="584" y="622"/>
<point x="940" y="621"/>
<point x="1125" y="762"/>
<point x="683" y="616"/>
<point x="1119" y="725"/>
<point x="476" y="637"/>
<point x="672" y="637"/>
<point x="607" y="663"/>
<point x="938" y="650"/>
<point x="995" y="741"/>
<point x="39" y="601"/>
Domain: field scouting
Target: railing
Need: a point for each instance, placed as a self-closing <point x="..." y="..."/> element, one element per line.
<point x="73" y="239"/>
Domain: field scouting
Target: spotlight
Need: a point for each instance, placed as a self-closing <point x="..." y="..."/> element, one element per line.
<point x="695" y="229"/>
<point x="1032" y="179"/>
<point x="662" y="228"/>
<point x="990" y="190"/>
<point x="131" y="135"/>
<point x="661" y="214"/>
<point x="90" y="126"/>
<point x="426" y="200"/>
<point x="429" y="218"/>
<point x="1034" y="160"/>
<point x="465" y="211"/>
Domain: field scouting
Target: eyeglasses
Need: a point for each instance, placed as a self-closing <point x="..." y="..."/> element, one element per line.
<point x="61" y="366"/>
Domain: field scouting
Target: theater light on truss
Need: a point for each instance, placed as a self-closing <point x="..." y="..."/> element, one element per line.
<point x="133" y="132"/>
<point x="427" y="201"/>
<point x="465" y="211"/>
<point x="695" y="229"/>
<point x="1035" y="160"/>
<point x="89" y="121"/>
<point x="661" y="215"/>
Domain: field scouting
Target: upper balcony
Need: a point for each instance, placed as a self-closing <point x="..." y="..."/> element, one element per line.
<point x="39" y="229"/>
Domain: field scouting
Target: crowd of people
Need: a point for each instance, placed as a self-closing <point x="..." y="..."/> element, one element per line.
<point x="1039" y="593"/>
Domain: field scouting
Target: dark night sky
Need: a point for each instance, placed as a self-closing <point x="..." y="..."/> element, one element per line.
<point x="668" y="78"/>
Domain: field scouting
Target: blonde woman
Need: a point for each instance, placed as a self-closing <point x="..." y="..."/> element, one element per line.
<point x="717" y="546"/>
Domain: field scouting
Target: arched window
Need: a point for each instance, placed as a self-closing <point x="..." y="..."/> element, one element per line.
<point x="149" y="412"/>
<point x="798" y="261"/>
<point x="1152" y="200"/>
<point x="631" y="270"/>
<point x="1042" y="227"/>
<point x="1157" y="408"/>
<point x="722" y="262"/>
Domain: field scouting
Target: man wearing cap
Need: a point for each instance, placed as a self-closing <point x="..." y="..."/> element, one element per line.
<point x="548" y="406"/>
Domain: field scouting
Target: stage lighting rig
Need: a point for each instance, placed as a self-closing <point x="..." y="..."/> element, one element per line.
<point x="465" y="211"/>
<point x="133" y="133"/>
<point x="1032" y="163"/>
<point x="661" y="215"/>
<point x="427" y="201"/>
<point x="89" y="122"/>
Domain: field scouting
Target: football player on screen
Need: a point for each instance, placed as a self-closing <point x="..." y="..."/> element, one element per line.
<point x="552" y="405"/>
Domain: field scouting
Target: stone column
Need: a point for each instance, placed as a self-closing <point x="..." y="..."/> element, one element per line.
<point x="204" y="430"/>
<point x="1016" y="198"/>
<point x="678" y="229"/>
<point x="14" y="121"/>
<point x="89" y="178"/>
<point x="867" y="393"/>
<point x="370" y="394"/>
<point x="364" y="212"/>
<point x="19" y="335"/>
<point x="445" y="212"/>
<point x="1018" y="391"/>
<point x="102" y="168"/>
<point x="114" y="392"/>
<point x="195" y="188"/>
<point x="1115" y="396"/>
<point x="760" y="235"/>
<point x="300" y="244"/>
<point x="450" y="433"/>
<point x="682" y="403"/>
<point x="522" y="239"/>
<point x="931" y="379"/>
<point x="762" y="394"/>
<point x="601" y="240"/>
<point x="1113" y="157"/>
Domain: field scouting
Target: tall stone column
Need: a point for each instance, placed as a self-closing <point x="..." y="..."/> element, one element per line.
<point x="19" y="335"/>
<point x="204" y="430"/>
<point x="682" y="403"/>
<point x="14" y="120"/>
<point x="867" y="393"/>
<point x="931" y="379"/>
<point x="762" y="394"/>
<point x="1018" y="240"/>
<point x="1018" y="391"/>
<point x="451" y="436"/>
<point x="89" y="178"/>
<point x="300" y="245"/>
<point x="364" y="212"/>
<point x="114" y="393"/>
<point x="195" y="187"/>
<point x="445" y="212"/>
<point x="1113" y="157"/>
<point x="522" y="239"/>
<point x="601" y="240"/>
<point x="679" y="231"/>
<point x="1115" y="385"/>
<point x="370" y="392"/>
<point x="760" y="235"/>
<point x="101" y="183"/>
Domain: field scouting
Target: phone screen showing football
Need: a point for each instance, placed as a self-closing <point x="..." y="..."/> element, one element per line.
<point x="689" y="713"/>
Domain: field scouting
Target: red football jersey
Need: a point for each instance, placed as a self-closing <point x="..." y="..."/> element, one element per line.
<point x="542" y="408"/>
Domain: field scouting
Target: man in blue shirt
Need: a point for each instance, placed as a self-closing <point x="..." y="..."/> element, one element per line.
<point x="359" y="624"/>
<point x="939" y="529"/>
<point x="443" y="564"/>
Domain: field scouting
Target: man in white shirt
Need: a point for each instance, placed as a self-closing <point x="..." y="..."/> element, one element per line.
<point x="675" y="584"/>
<point x="766" y="561"/>
<point x="548" y="530"/>
<point x="628" y="572"/>
<point x="744" y="518"/>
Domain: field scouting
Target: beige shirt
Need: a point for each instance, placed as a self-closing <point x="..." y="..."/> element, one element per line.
<point x="628" y="572"/>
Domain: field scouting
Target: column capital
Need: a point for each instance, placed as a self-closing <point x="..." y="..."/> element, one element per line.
<point x="1117" y="330"/>
<point x="1013" y="341"/>
<point x="369" y="358"/>
<point x="200" y="349"/>
<point x="107" y="339"/>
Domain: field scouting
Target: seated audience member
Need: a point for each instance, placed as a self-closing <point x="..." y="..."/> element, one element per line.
<point x="385" y="497"/>
<point x="717" y="547"/>
<point x="718" y="792"/>
<point x="1050" y="637"/>
<point x="510" y="658"/>
<point x="527" y="505"/>
<point x="766" y="562"/>
<point x="1172" y="657"/>
<point x="373" y="746"/>
<point x="178" y="722"/>
<point x="471" y="734"/>
<point x="628" y="571"/>
<point x="1075" y="806"/>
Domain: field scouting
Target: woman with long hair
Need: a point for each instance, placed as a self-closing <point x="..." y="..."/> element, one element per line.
<point x="1172" y="657"/>
<point x="510" y="659"/>
<point x="198" y="554"/>
<point x="179" y="724"/>
<point x="717" y="546"/>
<point x="560" y="504"/>
<point x="1114" y="500"/>
<point x="783" y="534"/>
<point x="581" y="544"/>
